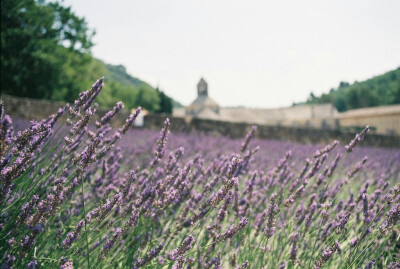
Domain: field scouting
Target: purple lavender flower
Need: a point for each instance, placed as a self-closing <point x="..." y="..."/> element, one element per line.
<point x="326" y="149"/>
<point x="186" y="245"/>
<point x="65" y="264"/>
<point x="365" y="208"/>
<point x="270" y="228"/>
<point x="337" y="246"/>
<point x="216" y="261"/>
<point x="357" y="168"/>
<point x="110" y="243"/>
<point x="342" y="219"/>
<point x="110" y="114"/>
<point x="73" y="236"/>
<point x="354" y="241"/>
<point x="244" y="265"/>
<point x="232" y="230"/>
<point x="282" y="266"/>
<point x="325" y="256"/>
<point x="334" y="165"/>
<point x="294" y="238"/>
<point x="359" y="137"/>
<point x="248" y="138"/>
<point x="130" y="121"/>
<point x="161" y="142"/>
<point x="153" y="253"/>
<point x="370" y="264"/>
<point x="222" y="192"/>
<point x="32" y="264"/>
<point x="8" y="261"/>
<point x="392" y="217"/>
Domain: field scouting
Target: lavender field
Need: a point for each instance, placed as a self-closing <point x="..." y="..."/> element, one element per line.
<point x="82" y="195"/>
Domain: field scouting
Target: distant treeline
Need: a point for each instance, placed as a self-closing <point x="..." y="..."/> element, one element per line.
<point x="378" y="91"/>
<point x="45" y="54"/>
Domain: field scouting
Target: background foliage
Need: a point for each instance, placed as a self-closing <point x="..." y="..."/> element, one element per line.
<point x="45" y="54"/>
<point x="377" y="91"/>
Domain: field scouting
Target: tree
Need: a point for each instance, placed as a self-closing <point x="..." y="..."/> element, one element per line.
<point x="44" y="50"/>
<point x="396" y="99"/>
<point x="311" y="98"/>
<point x="340" y="104"/>
<point x="377" y="91"/>
<point x="352" y="99"/>
<point x="343" y="84"/>
<point x="148" y="99"/>
<point x="165" y="102"/>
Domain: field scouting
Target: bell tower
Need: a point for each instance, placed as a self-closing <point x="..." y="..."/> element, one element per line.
<point x="202" y="88"/>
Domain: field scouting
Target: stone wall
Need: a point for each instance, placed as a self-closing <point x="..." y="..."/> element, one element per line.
<point x="385" y="119"/>
<point x="33" y="109"/>
<point x="38" y="109"/>
<point x="317" y="116"/>
<point x="27" y="108"/>
<point x="297" y="134"/>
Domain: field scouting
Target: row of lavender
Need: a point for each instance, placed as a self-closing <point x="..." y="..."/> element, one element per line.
<point x="79" y="196"/>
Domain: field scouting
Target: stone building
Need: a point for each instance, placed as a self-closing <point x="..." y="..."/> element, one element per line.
<point x="203" y="106"/>
<point x="382" y="120"/>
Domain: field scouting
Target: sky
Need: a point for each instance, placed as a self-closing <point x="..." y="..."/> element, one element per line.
<point x="260" y="54"/>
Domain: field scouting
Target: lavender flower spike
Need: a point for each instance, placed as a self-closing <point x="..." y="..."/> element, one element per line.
<point x="129" y="121"/>
<point x="186" y="245"/>
<point x="326" y="149"/>
<point x="248" y="138"/>
<point x="149" y="256"/>
<point x="294" y="238"/>
<point x="73" y="236"/>
<point x="244" y="265"/>
<point x="110" y="243"/>
<point x="110" y="114"/>
<point x="159" y="153"/>
<point x="233" y="229"/>
<point x="359" y="137"/>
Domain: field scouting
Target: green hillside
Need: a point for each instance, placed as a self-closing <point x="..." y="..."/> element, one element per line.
<point x="118" y="73"/>
<point x="119" y="85"/>
<point x="377" y="91"/>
